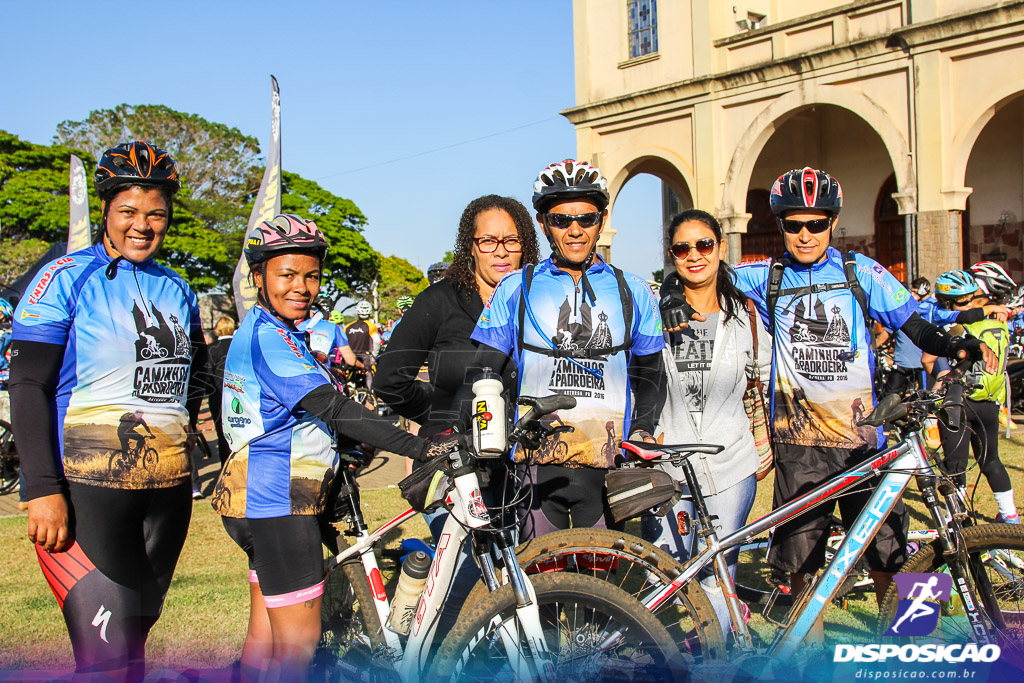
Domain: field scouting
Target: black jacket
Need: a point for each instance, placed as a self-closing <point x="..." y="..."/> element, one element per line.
<point x="436" y="332"/>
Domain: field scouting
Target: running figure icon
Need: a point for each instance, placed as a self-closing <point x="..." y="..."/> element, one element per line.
<point x="919" y="608"/>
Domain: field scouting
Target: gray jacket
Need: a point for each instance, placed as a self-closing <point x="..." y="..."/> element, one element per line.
<point x="724" y="421"/>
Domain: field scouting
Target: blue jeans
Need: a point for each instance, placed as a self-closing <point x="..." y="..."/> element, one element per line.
<point x="732" y="507"/>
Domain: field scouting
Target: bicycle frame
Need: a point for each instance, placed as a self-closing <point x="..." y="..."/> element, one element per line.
<point x="468" y="512"/>
<point x="897" y="466"/>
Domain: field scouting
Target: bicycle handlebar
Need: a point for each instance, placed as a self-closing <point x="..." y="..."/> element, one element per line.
<point x="539" y="407"/>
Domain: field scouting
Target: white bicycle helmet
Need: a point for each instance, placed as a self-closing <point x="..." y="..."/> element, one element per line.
<point x="993" y="280"/>
<point x="567" y="180"/>
<point x="364" y="309"/>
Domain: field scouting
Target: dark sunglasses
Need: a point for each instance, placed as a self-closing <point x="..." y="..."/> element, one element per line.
<point x="703" y="246"/>
<point x="818" y="225"/>
<point x="486" y="245"/>
<point x="564" y="220"/>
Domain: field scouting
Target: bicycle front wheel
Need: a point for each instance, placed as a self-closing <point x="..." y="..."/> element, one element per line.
<point x="996" y="556"/>
<point x="592" y="632"/>
<point x="350" y="629"/>
<point x="635" y="566"/>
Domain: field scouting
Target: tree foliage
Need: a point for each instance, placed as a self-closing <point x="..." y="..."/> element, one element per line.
<point x="216" y="162"/>
<point x="34" y="200"/>
<point x="18" y="257"/>
<point x="397" y="278"/>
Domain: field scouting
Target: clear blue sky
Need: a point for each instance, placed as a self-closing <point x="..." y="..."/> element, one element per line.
<point x="361" y="83"/>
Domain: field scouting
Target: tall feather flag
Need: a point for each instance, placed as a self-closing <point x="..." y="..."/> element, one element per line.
<point x="268" y="203"/>
<point x="78" y="194"/>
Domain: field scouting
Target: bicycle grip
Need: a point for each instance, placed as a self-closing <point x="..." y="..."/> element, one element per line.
<point x="951" y="412"/>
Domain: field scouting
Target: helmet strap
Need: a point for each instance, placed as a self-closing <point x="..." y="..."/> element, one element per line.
<point x="585" y="287"/>
<point x="263" y="299"/>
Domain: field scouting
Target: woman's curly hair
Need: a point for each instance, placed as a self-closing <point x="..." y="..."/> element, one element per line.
<point x="462" y="270"/>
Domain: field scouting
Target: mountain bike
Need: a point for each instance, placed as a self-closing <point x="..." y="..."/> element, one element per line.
<point x="985" y="561"/>
<point x="548" y="627"/>
<point x="9" y="463"/>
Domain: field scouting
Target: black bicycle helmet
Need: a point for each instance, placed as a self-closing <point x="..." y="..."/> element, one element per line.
<point x="436" y="271"/>
<point x="806" y="188"/>
<point x="135" y="163"/>
<point x="569" y="180"/>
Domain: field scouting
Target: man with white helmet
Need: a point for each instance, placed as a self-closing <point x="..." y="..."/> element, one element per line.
<point x="364" y="340"/>
<point x="577" y="326"/>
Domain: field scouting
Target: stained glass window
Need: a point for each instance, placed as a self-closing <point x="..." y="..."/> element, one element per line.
<point x="643" y="27"/>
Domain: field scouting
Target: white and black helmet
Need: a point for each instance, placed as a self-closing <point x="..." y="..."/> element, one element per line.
<point x="993" y="280"/>
<point x="569" y="180"/>
<point x="364" y="309"/>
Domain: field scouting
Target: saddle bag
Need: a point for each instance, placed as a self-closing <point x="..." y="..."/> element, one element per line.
<point x="632" y="492"/>
<point x="427" y="488"/>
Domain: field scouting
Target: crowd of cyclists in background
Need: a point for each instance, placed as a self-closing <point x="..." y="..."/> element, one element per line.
<point x="107" y="355"/>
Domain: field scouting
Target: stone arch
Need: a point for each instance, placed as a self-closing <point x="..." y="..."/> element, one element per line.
<point x="980" y="116"/>
<point x="657" y="161"/>
<point x="757" y="134"/>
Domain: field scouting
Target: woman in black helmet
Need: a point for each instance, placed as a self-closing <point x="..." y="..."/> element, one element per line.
<point x="109" y="503"/>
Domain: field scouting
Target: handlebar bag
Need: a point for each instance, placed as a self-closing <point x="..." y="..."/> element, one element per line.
<point x="632" y="492"/>
<point x="427" y="488"/>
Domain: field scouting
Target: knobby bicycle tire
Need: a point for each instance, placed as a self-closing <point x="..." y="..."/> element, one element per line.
<point x="9" y="463"/>
<point x="351" y="636"/>
<point x="149" y="458"/>
<point x="638" y="568"/>
<point x="1006" y="580"/>
<point x="577" y="614"/>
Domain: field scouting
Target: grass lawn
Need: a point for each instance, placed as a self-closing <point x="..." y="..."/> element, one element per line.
<point x="205" y="614"/>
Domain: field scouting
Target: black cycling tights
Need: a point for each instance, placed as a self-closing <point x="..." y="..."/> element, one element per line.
<point x="111" y="583"/>
<point x="980" y="431"/>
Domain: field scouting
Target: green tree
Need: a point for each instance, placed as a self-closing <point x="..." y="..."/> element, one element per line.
<point x="18" y="257"/>
<point x="397" y="278"/>
<point x="34" y="190"/>
<point x="216" y="162"/>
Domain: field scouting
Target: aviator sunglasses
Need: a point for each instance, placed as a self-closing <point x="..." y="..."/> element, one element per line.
<point x="818" y="225"/>
<point x="564" y="220"/>
<point x="703" y="246"/>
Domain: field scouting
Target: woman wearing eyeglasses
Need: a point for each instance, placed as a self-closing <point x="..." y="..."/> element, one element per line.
<point x="708" y="363"/>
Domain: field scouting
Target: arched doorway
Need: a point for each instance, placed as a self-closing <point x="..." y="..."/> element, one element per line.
<point x="890" y="232"/>
<point x="994" y="220"/>
<point x="841" y="143"/>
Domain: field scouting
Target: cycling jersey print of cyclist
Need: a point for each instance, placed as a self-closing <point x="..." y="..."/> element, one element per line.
<point x="569" y="321"/>
<point x="823" y="355"/>
<point x="127" y="353"/>
<point x="268" y="371"/>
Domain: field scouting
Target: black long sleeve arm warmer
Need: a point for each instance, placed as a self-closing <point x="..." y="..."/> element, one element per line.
<point x="646" y="376"/>
<point x="346" y="417"/>
<point x="927" y="337"/>
<point x="35" y="369"/>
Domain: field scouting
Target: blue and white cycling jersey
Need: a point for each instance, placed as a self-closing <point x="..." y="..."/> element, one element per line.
<point x="565" y="319"/>
<point x="282" y="460"/>
<point x="124" y="380"/>
<point x="325" y="337"/>
<point x="907" y="355"/>
<point x="823" y="364"/>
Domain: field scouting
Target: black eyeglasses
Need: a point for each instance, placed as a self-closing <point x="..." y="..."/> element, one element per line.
<point x="818" y="225"/>
<point x="486" y="245"/>
<point x="703" y="246"/>
<point x="564" y="220"/>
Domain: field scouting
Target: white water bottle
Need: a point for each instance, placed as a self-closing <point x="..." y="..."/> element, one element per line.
<point x="407" y="595"/>
<point x="489" y="415"/>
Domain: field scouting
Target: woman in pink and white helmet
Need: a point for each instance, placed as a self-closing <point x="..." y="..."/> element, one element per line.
<point x="283" y="417"/>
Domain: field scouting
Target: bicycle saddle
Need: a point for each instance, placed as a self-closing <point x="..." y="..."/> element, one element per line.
<point x="653" y="451"/>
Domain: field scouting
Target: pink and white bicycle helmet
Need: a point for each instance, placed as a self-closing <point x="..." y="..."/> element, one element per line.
<point x="284" y="233"/>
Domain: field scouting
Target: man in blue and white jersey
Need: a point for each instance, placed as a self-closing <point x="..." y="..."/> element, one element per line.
<point x="908" y="368"/>
<point x="817" y="304"/>
<point x="577" y="326"/>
